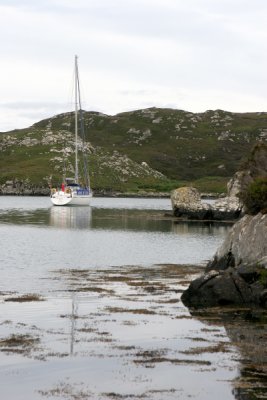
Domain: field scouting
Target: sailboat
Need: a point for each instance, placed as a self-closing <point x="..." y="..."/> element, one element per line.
<point x="72" y="191"/>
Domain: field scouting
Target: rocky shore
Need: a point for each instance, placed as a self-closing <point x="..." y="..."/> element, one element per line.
<point x="18" y="188"/>
<point x="187" y="203"/>
<point x="237" y="275"/>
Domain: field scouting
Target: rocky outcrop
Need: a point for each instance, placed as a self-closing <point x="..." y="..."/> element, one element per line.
<point x="229" y="206"/>
<point x="187" y="204"/>
<point x="245" y="244"/>
<point x="23" y="188"/>
<point x="231" y="287"/>
<point x="238" y="272"/>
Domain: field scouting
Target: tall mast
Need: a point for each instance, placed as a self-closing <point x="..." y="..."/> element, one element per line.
<point x="76" y="83"/>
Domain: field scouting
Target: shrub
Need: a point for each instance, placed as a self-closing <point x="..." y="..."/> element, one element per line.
<point x="255" y="196"/>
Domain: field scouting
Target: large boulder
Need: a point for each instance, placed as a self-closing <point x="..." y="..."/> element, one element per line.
<point x="187" y="204"/>
<point x="238" y="272"/>
<point x="219" y="288"/>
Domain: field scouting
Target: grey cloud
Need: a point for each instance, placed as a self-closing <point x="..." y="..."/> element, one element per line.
<point x="133" y="52"/>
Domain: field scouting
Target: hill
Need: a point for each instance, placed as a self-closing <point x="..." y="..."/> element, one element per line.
<point x="151" y="149"/>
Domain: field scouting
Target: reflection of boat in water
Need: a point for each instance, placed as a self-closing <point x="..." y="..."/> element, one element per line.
<point x="74" y="316"/>
<point x="70" y="217"/>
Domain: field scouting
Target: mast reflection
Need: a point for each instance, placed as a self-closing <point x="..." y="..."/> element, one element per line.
<point x="70" y="217"/>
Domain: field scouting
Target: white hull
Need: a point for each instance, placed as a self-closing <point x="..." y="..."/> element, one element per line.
<point x="63" y="199"/>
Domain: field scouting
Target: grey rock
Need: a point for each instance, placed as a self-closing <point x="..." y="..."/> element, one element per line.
<point x="249" y="273"/>
<point x="222" y="288"/>
<point x="245" y="244"/>
<point x="234" y="275"/>
<point x="237" y="273"/>
<point x="187" y="204"/>
<point x="23" y="188"/>
<point x="212" y="290"/>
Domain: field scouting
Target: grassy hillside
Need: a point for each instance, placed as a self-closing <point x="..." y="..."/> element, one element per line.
<point x="151" y="149"/>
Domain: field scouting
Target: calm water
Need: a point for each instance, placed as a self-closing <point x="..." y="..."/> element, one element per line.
<point x="111" y="325"/>
<point x="37" y="237"/>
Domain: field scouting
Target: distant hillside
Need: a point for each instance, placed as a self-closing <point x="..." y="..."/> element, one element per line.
<point x="150" y="149"/>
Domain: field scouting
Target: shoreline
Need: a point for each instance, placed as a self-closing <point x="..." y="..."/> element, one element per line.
<point x="146" y="195"/>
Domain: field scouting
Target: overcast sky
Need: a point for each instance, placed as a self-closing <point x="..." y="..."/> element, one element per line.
<point x="187" y="54"/>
